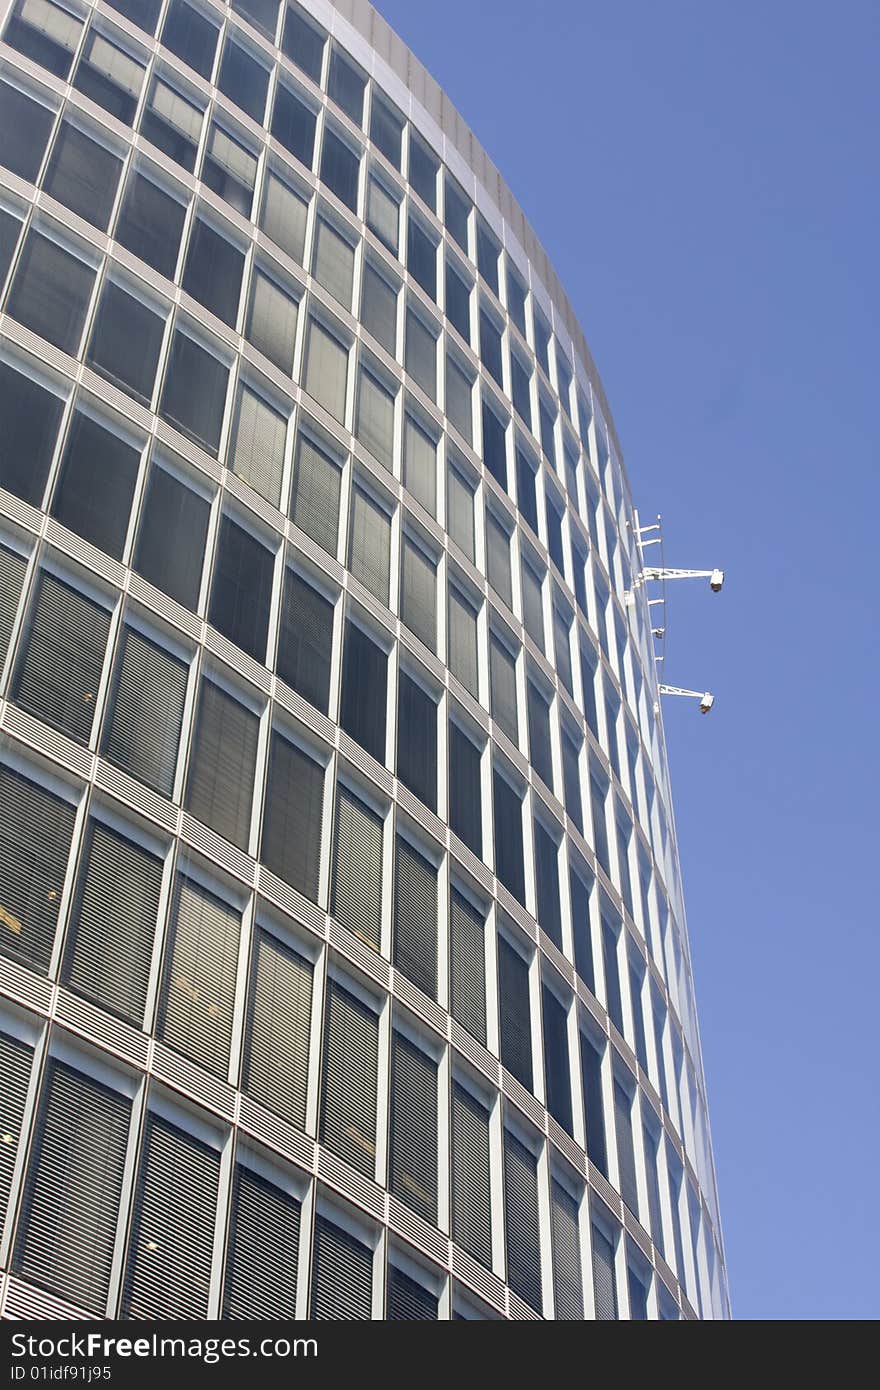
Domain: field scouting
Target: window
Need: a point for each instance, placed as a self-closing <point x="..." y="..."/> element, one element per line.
<point x="26" y="124"/>
<point x="195" y="392"/>
<point x="31" y="416"/>
<point x="557" y="1074"/>
<point x="651" y="1146"/>
<point x="386" y="129"/>
<point x="110" y="939"/>
<point x="200" y="967"/>
<point x="533" y="605"/>
<point x="46" y="33"/>
<point x="598" y="795"/>
<point x="257" y="453"/>
<point x="230" y="169"/>
<point x="348" y="1082"/>
<point x="412" y="1149"/>
<point x="414" y="933"/>
<point x="291" y="839"/>
<point x="547" y="883"/>
<point x="342" y="1275"/>
<point x="126" y="341"/>
<point x="515" y="1013"/>
<point x="379" y="308"/>
<point x="242" y="589"/>
<point x="59" y="670"/>
<point x="624" y="829"/>
<point x="488" y="252"/>
<point x="13" y="567"/>
<point x="142" y="13"/>
<point x="458" y="302"/>
<point x="169" y="1261"/>
<point x="150" y="224"/>
<point x="142" y="728"/>
<point x="420" y="355"/>
<point x="516" y="298"/>
<point x="467" y="966"/>
<point x="340" y="168"/>
<point x="554" y="532"/>
<point x="498" y="558"/>
<point x="243" y="79"/>
<point x="420" y="464"/>
<point x="521" y="395"/>
<point x="326" y="369"/>
<point x="10" y="227"/>
<point x="305" y="641"/>
<point x="539" y="735"/>
<point x="293" y="125"/>
<point x="408" y="1300"/>
<point x="457" y="211"/>
<point x="83" y="174"/>
<point x="345" y="86"/>
<point x="594" y="1114"/>
<point x="417" y="740"/>
<point x="604" y="1289"/>
<point x="637" y="1285"/>
<point x="303" y="44"/>
<point x="423" y="168"/>
<point x="421" y="258"/>
<point x="490" y="347"/>
<point x="383" y="214"/>
<point x="462" y="638"/>
<point x="16" y="1060"/>
<point x="571" y="779"/>
<point x="276" y="1060"/>
<point x="171" y="541"/>
<point x="494" y="445"/>
<point x="525" y="488"/>
<point x="333" y="262"/>
<point x="589" y="664"/>
<point x="471" y="1184"/>
<point x="220" y="789"/>
<point x="314" y="503"/>
<point x="272" y="322"/>
<point x="418" y="593"/>
<point x="542" y="341"/>
<point x="31" y="885"/>
<point x="626" y="1159"/>
<point x="96" y="484"/>
<point x="465" y="801"/>
<point x="579" y="565"/>
<point x="50" y="292"/>
<point x="374" y="426"/>
<point x="580" y="886"/>
<point x="213" y="271"/>
<point x="547" y="425"/>
<point x="172" y="124"/>
<point x="459" y="398"/>
<point x="284" y="216"/>
<point x="460" y="511"/>
<point x="509" y="865"/>
<point x="521" y="1218"/>
<point x="261" y="1273"/>
<point x="567" y="1278"/>
<point x="191" y="35"/>
<point x="611" y="927"/>
<point x="356" y="899"/>
<point x="363" y="712"/>
<point x="502" y="680"/>
<point x="369" y="543"/>
<point x="80" y="1142"/>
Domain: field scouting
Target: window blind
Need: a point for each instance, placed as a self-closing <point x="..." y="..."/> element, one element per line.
<point x="31" y="884"/>
<point x="582" y="929"/>
<point x="465" y="798"/>
<point x="521" y="1215"/>
<point x="272" y="322"/>
<point x="471" y="1190"/>
<point x="314" y="505"/>
<point x="369" y="546"/>
<point x="113" y="924"/>
<point x="462" y="639"/>
<point x="567" y="1277"/>
<point x="363" y="707"/>
<point x="284" y="217"/>
<point x="383" y="214"/>
<point x="276" y="1065"/>
<point x="557" y="1074"/>
<point x="604" y="1288"/>
<point x="200" y="969"/>
<point x="333" y="265"/>
<point x="414" y="939"/>
<point x="16" y="1059"/>
<point x="418" y="598"/>
<point x="498" y="559"/>
<point x="305" y="641"/>
<point x="460" y="511"/>
<point x="326" y="369"/>
<point x="375" y="417"/>
<point x="417" y="740"/>
<point x="626" y="1159"/>
<point x="220" y="788"/>
<point x="349" y="1080"/>
<point x="467" y="949"/>
<point x="342" y="1275"/>
<point x="12" y="571"/>
<point x="547" y="884"/>
<point x="591" y="1082"/>
<point x="572" y="782"/>
<point x="258" y="452"/>
<point x="292" y="819"/>
<point x="515" y="1013"/>
<point x="509" y="863"/>
<point x="59" y="672"/>
<point x="242" y="588"/>
<point x="379" y="308"/>
<point x="261" y="1266"/>
<point x="539" y="735"/>
<point x="420" y="356"/>
<point x="502" y="679"/>
<point x="412" y="1159"/>
<point x="142" y="731"/>
<point x="533" y="606"/>
<point x="408" y="1300"/>
<point x="356" y="897"/>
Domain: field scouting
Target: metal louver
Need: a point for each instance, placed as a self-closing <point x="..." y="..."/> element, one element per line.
<point x="60" y="669"/>
<point x="356" y="899"/>
<point x="292" y="820"/>
<point x="349" y="1081"/>
<point x="467" y="949"/>
<point x="15" y="1064"/>
<point x="199" y="987"/>
<point x="12" y="571"/>
<point x="110" y="945"/>
<point x="521" y="1216"/>
<point x="567" y="1275"/>
<point x="31" y="885"/>
<point x="143" y="731"/>
<point x="413" y="1128"/>
<point x="220" y="788"/>
<point x="276" y="1069"/>
<point x="415" y="918"/>
<point x="71" y="1198"/>
<point x="262" y="1263"/>
<point x="172" y="1235"/>
<point x="471" y="1199"/>
<point x="408" y="1300"/>
<point x="342" y="1275"/>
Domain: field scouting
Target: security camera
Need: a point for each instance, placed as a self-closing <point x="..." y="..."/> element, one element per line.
<point x="706" y="703"/>
<point x="716" y="579"/>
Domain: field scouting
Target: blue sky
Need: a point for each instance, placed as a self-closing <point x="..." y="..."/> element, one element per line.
<point x="705" y="180"/>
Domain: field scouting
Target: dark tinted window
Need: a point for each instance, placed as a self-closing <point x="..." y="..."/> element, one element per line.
<point x="230" y="169"/>
<point x="142" y="729"/>
<point x="293" y="125"/>
<point x="150" y="224"/>
<point x="417" y="740"/>
<point x="171" y="540"/>
<point x="242" y="589"/>
<point x="547" y="884"/>
<point x="110" y="77"/>
<point x="195" y="392"/>
<point x="25" y="125"/>
<point x="305" y="641"/>
<point x="490" y="346"/>
<point x="346" y="86"/>
<point x="213" y="271"/>
<point x="515" y="1013"/>
<point x="494" y="449"/>
<point x="386" y="129"/>
<point x="96" y="484"/>
<point x="262" y="14"/>
<point x="421" y="258"/>
<point x="539" y="735"/>
<point x="557" y="1074"/>
<point x="291" y="839"/>
<point x="59" y="668"/>
<point x="30" y="416"/>
<point x="50" y="292"/>
<point x="303" y="44"/>
<point x="364" y="687"/>
<point x="488" y="252"/>
<point x="220" y="787"/>
<point x="525" y="488"/>
<point x="126" y="341"/>
<point x="457" y="209"/>
<point x="340" y="167"/>
<point x="82" y="175"/>
<point x="173" y="124"/>
<point x="465" y="802"/>
<point x="191" y="36"/>
<point x="508" y="837"/>
<point x="46" y="33"/>
<point x="458" y="297"/>
<point x="423" y="168"/>
<point x="243" y="79"/>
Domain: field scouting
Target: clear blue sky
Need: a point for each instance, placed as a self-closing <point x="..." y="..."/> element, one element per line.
<point x="705" y="180"/>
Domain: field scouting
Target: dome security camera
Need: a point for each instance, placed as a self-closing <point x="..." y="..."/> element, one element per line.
<point x="706" y="703"/>
<point x="716" y="579"/>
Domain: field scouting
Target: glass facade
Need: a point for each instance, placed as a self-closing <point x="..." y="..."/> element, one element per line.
<point x="343" y="963"/>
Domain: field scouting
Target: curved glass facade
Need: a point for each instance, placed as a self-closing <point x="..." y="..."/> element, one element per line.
<point x="343" y="965"/>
